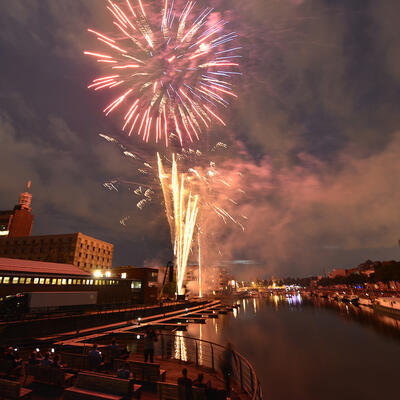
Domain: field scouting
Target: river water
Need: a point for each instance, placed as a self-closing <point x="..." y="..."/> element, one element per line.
<point x="314" y="350"/>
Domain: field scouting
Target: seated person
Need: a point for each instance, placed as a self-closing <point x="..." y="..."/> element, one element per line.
<point x="124" y="372"/>
<point x="199" y="381"/>
<point x="46" y="362"/>
<point x="95" y="358"/>
<point x="56" y="362"/>
<point x="33" y="359"/>
<point x="16" y="362"/>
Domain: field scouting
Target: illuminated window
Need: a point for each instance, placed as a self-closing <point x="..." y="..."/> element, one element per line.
<point x="64" y="281"/>
<point x="79" y="281"/>
<point x="123" y="275"/>
<point x="28" y="281"/>
<point x="47" y="281"/>
<point x="96" y="282"/>
<point x="35" y="281"/>
<point x="91" y="281"/>
<point x="136" y="285"/>
<point x="41" y="281"/>
<point x="54" y="281"/>
<point x="15" y="280"/>
<point x="74" y="281"/>
<point x="58" y="281"/>
<point x="6" y="280"/>
<point x="69" y="281"/>
<point x="1" y="279"/>
<point x="21" y="280"/>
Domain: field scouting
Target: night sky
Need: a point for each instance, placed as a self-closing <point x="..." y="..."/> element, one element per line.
<point x="315" y="134"/>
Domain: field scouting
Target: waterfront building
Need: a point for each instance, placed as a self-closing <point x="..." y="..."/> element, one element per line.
<point x="25" y="276"/>
<point x="85" y="252"/>
<point x="19" y="221"/>
<point x="144" y="282"/>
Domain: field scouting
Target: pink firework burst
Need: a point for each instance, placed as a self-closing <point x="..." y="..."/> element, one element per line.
<point x="171" y="67"/>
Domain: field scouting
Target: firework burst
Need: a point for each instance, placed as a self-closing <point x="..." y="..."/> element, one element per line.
<point x="171" y="66"/>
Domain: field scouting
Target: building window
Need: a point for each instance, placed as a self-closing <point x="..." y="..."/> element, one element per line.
<point x="69" y="281"/>
<point x="35" y="281"/>
<point x="54" y="281"/>
<point x="74" y="281"/>
<point x="41" y="281"/>
<point x="21" y="280"/>
<point x="79" y="281"/>
<point x="6" y="280"/>
<point x="58" y="281"/>
<point x="47" y="281"/>
<point x="1" y="279"/>
<point x="28" y="281"/>
<point x="64" y="281"/>
<point x="15" y="280"/>
<point x="136" y="285"/>
<point x="123" y="275"/>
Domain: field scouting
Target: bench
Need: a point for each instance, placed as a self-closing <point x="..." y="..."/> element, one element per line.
<point x="13" y="390"/>
<point x="172" y="391"/>
<point x="143" y="371"/>
<point x="75" y="361"/>
<point x="49" y="375"/>
<point x="100" y="386"/>
<point x="9" y="370"/>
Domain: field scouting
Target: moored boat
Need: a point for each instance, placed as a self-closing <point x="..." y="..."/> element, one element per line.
<point x="363" y="301"/>
<point x="388" y="304"/>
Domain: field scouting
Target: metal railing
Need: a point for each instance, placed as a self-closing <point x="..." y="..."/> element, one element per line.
<point x="203" y="353"/>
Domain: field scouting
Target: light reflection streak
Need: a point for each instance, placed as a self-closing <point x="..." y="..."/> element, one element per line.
<point x="180" y="347"/>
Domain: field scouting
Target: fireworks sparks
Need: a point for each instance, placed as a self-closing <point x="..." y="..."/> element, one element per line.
<point x="171" y="69"/>
<point x="183" y="211"/>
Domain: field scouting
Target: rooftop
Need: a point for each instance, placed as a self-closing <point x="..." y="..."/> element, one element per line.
<point x="39" y="267"/>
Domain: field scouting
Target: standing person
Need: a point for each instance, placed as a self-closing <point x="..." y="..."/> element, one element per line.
<point x="227" y="358"/>
<point x="185" y="386"/>
<point x="148" y="347"/>
<point x="115" y="351"/>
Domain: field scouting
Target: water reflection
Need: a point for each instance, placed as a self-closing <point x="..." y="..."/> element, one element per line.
<point x="312" y="348"/>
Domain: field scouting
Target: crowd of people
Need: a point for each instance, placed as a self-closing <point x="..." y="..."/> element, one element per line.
<point x="48" y="359"/>
<point x="186" y="386"/>
<point x="114" y="351"/>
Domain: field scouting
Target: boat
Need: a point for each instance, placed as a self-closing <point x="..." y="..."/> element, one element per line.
<point x="363" y="301"/>
<point x="352" y="298"/>
<point x="388" y="304"/>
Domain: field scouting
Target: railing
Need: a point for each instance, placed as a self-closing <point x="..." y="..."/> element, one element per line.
<point x="203" y="353"/>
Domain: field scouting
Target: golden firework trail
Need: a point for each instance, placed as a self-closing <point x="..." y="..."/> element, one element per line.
<point x="182" y="208"/>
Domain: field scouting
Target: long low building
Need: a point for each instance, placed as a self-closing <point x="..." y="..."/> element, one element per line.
<point x="19" y="276"/>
